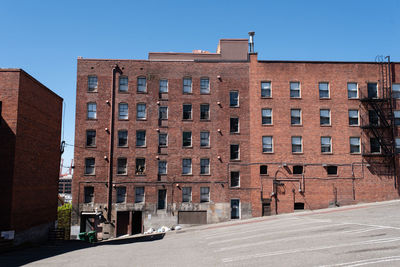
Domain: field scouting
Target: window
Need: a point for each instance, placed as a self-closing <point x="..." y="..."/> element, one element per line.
<point x="325" y="116"/>
<point x="89" y="194"/>
<point x="204" y="112"/>
<point x="163" y="86"/>
<point x="204" y="166"/>
<point x="187" y="111"/>
<point x="396" y="117"/>
<point x="234" y="152"/>
<point x="140" y="166"/>
<point x="295" y="89"/>
<point x="204" y="194"/>
<point x="162" y="197"/>
<point x="353" y="117"/>
<point x="323" y="90"/>
<point x="204" y="139"/>
<point x="141" y="84"/>
<point x="91" y="111"/>
<point x="263" y="169"/>
<point x="186" y="194"/>
<point x="163" y="139"/>
<point x="331" y="170"/>
<point x="89" y="166"/>
<point x="298" y="169"/>
<point x="396" y="90"/>
<point x="372" y="90"/>
<point x="266" y="116"/>
<point x="92" y="83"/>
<point x="187" y="166"/>
<point x="122" y="170"/>
<point x="326" y="146"/>
<point x="204" y="86"/>
<point x="187" y="85"/>
<point x="141" y="138"/>
<point x="121" y="194"/>
<point x="163" y="113"/>
<point x="91" y="138"/>
<point x="373" y="118"/>
<point x="123" y="111"/>
<point x="122" y="138"/>
<point x="295" y="116"/>
<point x="141" y="111"/>
<point x="162" y="167"/>
<point x="234" y="125"/>
<point x="67" y="189"/>
<point x="352" y="90"/>
<point x="123" y="84"/>
<point x="375" y="147"/>
<point x="355" y="145"/>
<point x="139" y="194"/>
<point x="233" y="98"/>
<point x="397" y="143"/>
<point x="267" y="146"/>
<point x="235" y="179"/>
<point x="297" y="146"/>
<point x="187" y="139"/>
<point x="265" y="89"/>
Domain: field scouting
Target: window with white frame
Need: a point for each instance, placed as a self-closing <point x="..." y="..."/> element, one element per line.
<point x="396" y="114"/>
<point x="204" y="166"/>
<point x="235" y="179"/>
<point x="141" y="111"/>
<point x="163" y="86"/>
<point x="375" y="147"/>
<point x="234" y="125"/>
<point x="266" y="89"/>
<point x="139" y="194"/>
<point x="204" y="139"/>
<point x="186" y="166"/>
<point x="325" y="116"/>
<point x="295" y="116"/>
<point x="204" y="194"/>
<point x="140" y="138"/>
<point x="352" y="90"/>
<point x="396" y="90"/>
<point x="123" y="84"/>
<point x="91" y="138"/>
<point x="91" y="111"/>
<point x="204" y="86"/>
<point x="266" y="116"/>
<point x="355" y="147"/>
<point x="141" y="84"/>
<point x="89" y="166"/>
<point x="123" y="111"/>
<point x="121" y="194"/>
<point x="163" y="113"/>
<point x="92" y="83"/>
<point x="163" y="139"/>
<point x="372" y="90"/>
<point x="186" y="139"/>
<point x="234" y="152"/>
<point x="233" y="98"/>
<point x="326" y="144"/>
<point x="267" y="144"/>
<point x="162" y="167"/>
<point x="186" y="194"/>
<point x="89" y="194"/>
<point x="140" y="166"/>
<point x="295" y="90"/>
<point x="122" y="138"/>
<point x="297" y="144"/>
<point x="187" y="85"/>
<point x="373" y="118"/>
<point x="353" y="117"/>
<point x="121" y="166"/>
<point x="323" y="90"/>
<point x="204" y="112"/>
<point x="187" y="111"/>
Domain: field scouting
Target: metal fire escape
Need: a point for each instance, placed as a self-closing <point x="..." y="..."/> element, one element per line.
<point x="377" y="122"/>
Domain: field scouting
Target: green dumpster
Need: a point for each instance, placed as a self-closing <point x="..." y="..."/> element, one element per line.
<point x="92" y="236"/>
<point x="83" y="236"/>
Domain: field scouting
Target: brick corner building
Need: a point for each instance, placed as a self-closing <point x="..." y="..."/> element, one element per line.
<point x="30" y="133"/>
<point x="189" y="138"/>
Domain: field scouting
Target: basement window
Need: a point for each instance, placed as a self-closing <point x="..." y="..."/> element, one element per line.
<point x="298" y="169"/>
<point x="331" y="170"/>
<point x="298" y="206"/>
<point x="263" y="169"/>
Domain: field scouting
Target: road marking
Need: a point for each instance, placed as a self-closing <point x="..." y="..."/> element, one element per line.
<point x="282" y="252"/>
<point x="269" y="233"/>
<point x="364" y="262"/>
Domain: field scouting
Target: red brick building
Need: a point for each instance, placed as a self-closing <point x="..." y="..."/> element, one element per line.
<point x="206" y="137"/>
<point x="30" y="133"/>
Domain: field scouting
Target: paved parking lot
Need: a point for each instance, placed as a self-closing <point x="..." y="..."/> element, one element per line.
<point x="362" y="235"/>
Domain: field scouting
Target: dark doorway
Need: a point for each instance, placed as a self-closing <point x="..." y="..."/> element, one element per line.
<point x="88" y="223"/>
<point x="235" y="203"/>
<point x="137" y="222"/>
<point x="298" y="206"/>
<point x="122" y="222"/>
<point x="266" y="209"/>
<point x="162" y="194"/>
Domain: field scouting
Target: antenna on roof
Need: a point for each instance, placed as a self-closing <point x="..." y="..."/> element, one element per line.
<point x="251" y="42"/>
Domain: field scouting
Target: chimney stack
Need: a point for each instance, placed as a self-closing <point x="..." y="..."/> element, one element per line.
<point x="251" y="42"/>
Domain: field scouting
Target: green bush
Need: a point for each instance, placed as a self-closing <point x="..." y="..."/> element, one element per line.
<point x="64" y="219"/>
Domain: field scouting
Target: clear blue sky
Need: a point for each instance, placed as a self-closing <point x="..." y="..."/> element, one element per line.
<point x="45" y="37"/>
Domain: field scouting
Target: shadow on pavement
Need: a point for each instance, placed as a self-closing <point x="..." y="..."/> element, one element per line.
<point x="25" y="255"/>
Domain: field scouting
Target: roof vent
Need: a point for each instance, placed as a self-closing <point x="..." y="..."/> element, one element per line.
<point x="251" y="42"/>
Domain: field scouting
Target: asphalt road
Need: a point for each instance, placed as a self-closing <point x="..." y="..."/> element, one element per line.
<point x="361" y="235"/>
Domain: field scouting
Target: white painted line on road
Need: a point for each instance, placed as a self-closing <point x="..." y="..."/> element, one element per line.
<point x="357" y="231"/>
<point x="364" y="262"/>
<point x="273" y="233"/>
<point x="282" y="252"/>
<point x="374" y="225"/>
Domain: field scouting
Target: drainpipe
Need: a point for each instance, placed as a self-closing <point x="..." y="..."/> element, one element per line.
<point x="115" y="70"/>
